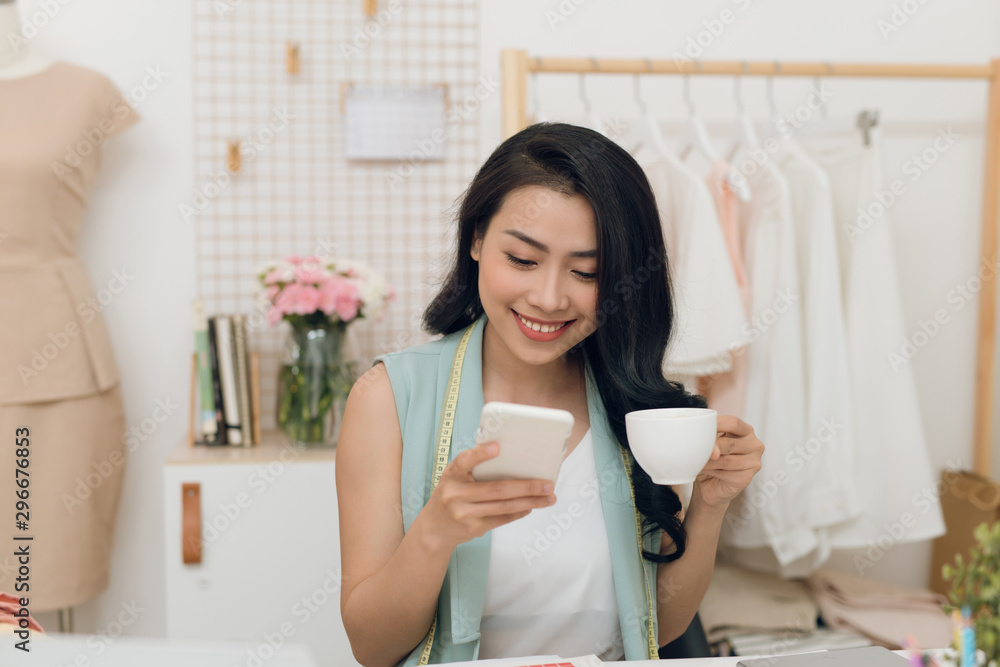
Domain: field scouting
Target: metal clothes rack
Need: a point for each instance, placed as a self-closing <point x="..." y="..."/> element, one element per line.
<point x="517" y="65"/>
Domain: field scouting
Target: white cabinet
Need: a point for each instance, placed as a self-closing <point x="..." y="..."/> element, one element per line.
<point x="270" y="560"/>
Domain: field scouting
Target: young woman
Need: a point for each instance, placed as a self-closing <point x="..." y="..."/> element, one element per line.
<point x="559" y="296"/>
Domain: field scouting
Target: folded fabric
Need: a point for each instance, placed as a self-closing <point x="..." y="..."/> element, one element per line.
<point x="9" y="606"/>
<point x="741" y="601"/>
<point x="885" y="613"/>
<point x="824" y="639"/>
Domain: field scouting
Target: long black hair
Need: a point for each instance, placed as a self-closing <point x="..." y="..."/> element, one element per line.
<point x="635" y="305"/>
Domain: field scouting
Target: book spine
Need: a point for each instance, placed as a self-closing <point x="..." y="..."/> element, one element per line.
<point x="209" y="427"/>
<point x="227" y="378"/>
<point x="255" y="395"/>
<point x="213" y="355"/>
<point x="243" y="378"/>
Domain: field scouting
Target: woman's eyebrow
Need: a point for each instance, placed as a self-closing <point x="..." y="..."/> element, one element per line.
<point x="544" y="248"/>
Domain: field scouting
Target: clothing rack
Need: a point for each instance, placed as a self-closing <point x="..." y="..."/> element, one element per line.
<point x="517" y="65"/>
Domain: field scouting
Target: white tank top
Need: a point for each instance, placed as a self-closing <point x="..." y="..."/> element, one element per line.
<point x="550" y="588"/>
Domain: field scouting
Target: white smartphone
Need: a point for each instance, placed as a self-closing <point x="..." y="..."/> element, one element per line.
<point x="532" y="441"/>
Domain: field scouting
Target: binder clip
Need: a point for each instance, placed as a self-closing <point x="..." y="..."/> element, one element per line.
<point x="292" y="63"/>
<point x="234" y="159"/>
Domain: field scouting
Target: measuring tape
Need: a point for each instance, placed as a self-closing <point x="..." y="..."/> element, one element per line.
<point x="654" y="651"/>
<point x="442" y="454"/>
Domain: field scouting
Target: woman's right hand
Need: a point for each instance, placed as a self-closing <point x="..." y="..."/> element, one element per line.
<point x="460" y="508"/>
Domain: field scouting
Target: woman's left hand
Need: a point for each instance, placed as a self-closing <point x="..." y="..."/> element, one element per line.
<point x="735" y="460"/>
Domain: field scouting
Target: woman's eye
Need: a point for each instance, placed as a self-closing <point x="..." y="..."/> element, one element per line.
<point x="517" y="261"/>
<point x="525" y="263"/>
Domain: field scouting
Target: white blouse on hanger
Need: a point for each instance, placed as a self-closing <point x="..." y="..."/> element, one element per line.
<point x="893" y="475"/>
<point x="771" y="512"/>
<point x="831" y="450"/>
<point x="709" y="318"/>
<point x="826" y="459"/>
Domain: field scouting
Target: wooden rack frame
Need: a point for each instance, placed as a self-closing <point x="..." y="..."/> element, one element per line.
<point x="517" y="65"/>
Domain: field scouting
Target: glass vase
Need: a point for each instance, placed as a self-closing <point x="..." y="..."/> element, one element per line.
<point x="313" y="384"/>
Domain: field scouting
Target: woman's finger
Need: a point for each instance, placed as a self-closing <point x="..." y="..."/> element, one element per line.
<point x="733" y="462"/>
<point x="465" y="461"/>
<point x="743" y="445"/>
<point x="733" y="425"/>
<point x="725" y="445"/>
<point x="729" y="446"/>
<point x="506" y="489"/>
<point x="497" y="521"/>
<point x="511" y="506"/>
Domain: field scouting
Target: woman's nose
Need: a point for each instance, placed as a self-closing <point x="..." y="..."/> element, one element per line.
<point x="549" y="294"/>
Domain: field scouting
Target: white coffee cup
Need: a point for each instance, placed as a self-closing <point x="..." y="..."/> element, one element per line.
<point x="672" y="444"/>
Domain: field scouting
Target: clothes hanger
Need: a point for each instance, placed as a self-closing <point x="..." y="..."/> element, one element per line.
<point x="644" y="132"/>
<point x="818" y="85"/>
<point x="693" y="135"/>
<point x="591" y="119"/>
<point x="774" y="127"/>
<point x="536" y="109"/>
<point x="744" y="135"/>
<point x="866" y="121"/>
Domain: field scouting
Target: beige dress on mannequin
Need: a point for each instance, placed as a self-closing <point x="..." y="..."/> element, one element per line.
<point x="58" y="374"/>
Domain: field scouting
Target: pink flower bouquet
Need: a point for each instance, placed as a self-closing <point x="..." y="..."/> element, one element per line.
<point x="312" y="292"/>
<point x="318" y="298"/>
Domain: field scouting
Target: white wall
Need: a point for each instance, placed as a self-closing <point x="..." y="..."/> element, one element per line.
<point x="133" y="223"/>
<point x="936" y="223"/>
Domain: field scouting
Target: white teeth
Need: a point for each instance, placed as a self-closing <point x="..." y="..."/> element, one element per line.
<point x="541" y="328"/>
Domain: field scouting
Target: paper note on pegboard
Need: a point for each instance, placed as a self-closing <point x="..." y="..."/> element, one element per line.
<point x="393" y="123"/>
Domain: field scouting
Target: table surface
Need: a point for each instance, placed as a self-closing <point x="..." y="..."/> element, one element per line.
<point x="58" y="649"/>
<point x="683" y="662"/>
<point x="716" y="662"/>
<point x="273" y="448"/>
<point x="78" y="649"/>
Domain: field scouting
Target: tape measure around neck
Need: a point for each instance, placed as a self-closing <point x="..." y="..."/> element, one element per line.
<point x="442" y="452"/>
<point x="652" y="648"/>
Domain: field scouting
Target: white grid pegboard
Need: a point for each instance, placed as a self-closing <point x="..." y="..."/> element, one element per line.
<point x="299" y="194"/>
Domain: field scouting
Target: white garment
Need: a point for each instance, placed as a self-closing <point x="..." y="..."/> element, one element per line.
<point x="550" y="589"/>
<point x="826" y="459"/>
<point x="828" y="455"/>
<point x="709" y="319"/>
<point x="892" y="471"/>
<point x="772" y="510"/>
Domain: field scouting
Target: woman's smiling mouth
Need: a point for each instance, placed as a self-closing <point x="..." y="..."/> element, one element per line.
<point x="539" y="331"/>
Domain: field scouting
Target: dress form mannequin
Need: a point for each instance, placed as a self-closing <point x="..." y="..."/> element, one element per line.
<point x="54" y="120"/>
<point x="16" y="59"/>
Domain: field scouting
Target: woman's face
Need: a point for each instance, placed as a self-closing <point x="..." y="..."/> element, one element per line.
<point x="538" y="273"/>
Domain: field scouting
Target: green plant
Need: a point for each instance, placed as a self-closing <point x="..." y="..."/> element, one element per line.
<point x="977" y="584"/>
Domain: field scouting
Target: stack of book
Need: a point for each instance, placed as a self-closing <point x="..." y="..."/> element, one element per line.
<point x="227" y="403"/>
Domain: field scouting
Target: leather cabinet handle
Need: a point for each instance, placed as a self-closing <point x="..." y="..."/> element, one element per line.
<point x="191" y="522"/>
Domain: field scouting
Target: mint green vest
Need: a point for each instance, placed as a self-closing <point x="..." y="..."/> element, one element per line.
<point x="419" y="376"/>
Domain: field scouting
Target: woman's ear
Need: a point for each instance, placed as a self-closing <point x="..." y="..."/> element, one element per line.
<point x="476" y="244"/>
